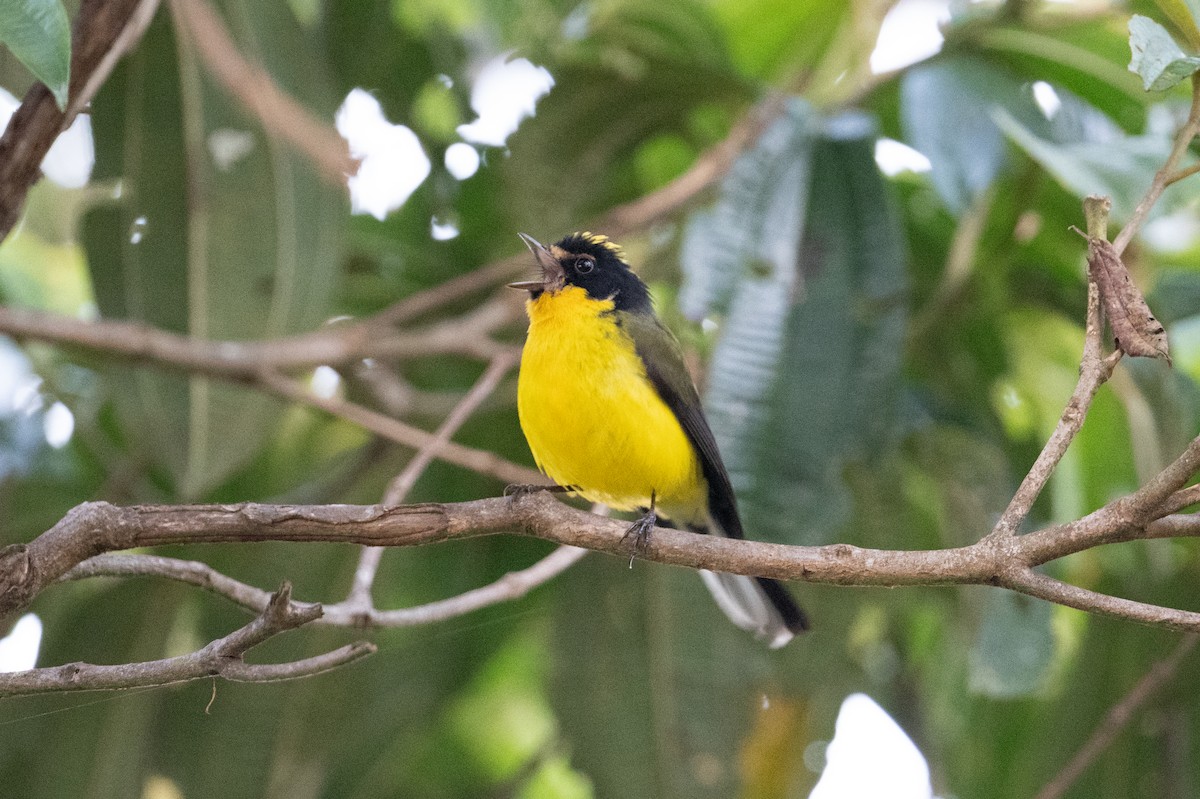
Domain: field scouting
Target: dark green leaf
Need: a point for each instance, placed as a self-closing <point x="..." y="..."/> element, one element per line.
<point x="221" y="233"/>
<point x="948" y="109"/>
<point x="1121" y="169"/>
<point x="39" y="34"/>
<point x="1014" y="650"/>
<point x="1156" y="57"/>
<point x="803" y="250"/>
<point x="1085" y="57"/>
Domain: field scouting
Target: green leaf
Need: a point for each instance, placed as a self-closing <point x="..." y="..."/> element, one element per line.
<point x="1014" y="650"/>
<point x="220" y="233"/>
<point x="1156" y="57"/>
<point x="803" y="250"/>
<point x="947" y="108"/>
<point x="39" y="35"/>
<point x="1086" y="58"/>
<point x="1185" y="14"/>
<point x="654" y="688"/>
<point x="780" y="38"/>
<point x="1122" y="169"/>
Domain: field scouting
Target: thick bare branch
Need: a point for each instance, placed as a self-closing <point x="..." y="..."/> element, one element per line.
<point x="221" y="658"/>
<point x="94" y="528"/>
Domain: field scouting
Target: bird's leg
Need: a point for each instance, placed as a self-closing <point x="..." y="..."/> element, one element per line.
<point x="517" y="491"/>
<point x="638" y="533"/>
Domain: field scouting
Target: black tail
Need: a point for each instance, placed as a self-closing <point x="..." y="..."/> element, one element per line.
<point x="793" y="615"/>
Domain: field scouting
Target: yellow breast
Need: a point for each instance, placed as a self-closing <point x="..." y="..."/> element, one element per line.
<point x="592" y="418"/>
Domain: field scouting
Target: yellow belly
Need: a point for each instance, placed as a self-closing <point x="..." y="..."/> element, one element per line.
<point x="592" y="418"/>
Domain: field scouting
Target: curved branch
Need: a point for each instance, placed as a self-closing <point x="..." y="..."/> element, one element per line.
<point x="242" y="360"/>
<point x="221" y="658"/>
<point x="510" y="587"/>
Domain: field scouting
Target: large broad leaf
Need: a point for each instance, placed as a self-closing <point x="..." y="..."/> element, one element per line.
<point x="658" y="694"/>
<point x="1085" y="57"/>
<point x="220" y="233"/>
<point x="38" y="33"/>
<point x="947" y="110"/>
<point x="804" y="251"/>
<point x="1157" y="59"/>
<point x="1121" y="169"/>
<point x="640" y="70"/>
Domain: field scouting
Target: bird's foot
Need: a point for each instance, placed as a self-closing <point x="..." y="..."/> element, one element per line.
<point x="637" y="537"/>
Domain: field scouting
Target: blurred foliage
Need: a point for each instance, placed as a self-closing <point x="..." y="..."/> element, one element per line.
<point x="887" y="352"/>
<point x="38" y="33"/>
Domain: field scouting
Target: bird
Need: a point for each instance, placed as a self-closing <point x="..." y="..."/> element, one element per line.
<point x="611" y="414"/>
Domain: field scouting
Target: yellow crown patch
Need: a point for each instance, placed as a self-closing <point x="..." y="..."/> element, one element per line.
<point x="603" y="241"/>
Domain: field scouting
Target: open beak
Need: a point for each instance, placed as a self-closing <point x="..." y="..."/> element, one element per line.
<point x="552" y="271"/>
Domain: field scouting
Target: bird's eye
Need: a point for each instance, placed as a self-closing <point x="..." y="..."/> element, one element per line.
<point x="585" y="264"/>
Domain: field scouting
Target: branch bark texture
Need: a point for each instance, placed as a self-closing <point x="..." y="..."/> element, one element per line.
<point x="95" y="528"/>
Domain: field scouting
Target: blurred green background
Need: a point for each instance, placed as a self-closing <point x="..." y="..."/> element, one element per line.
<point x="889" y="336"/>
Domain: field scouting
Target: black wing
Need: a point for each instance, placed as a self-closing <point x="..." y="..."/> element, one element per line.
<point x="661" y="355"/>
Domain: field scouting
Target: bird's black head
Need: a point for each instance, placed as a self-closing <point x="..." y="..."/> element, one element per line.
<point x="593" y="263"/>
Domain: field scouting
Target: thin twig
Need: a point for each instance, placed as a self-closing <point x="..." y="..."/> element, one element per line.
<point x="1094" y="370"/>
<point x="639" y="214"/>
<point x="397" y="491"/>
<point x="1186" y="172"/>
<point x="221" y="658"/>
<point x="476" y="460"/>
<point x="241" y="360"/>
<point x="510" y="587"/>
<point x="1117" y="719"/>
<point x="1165" y="175"/>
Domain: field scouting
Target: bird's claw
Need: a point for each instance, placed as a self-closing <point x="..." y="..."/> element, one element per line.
<point x="638" y="535"/>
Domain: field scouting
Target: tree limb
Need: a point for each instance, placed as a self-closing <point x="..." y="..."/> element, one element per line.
<point x="93" y="528"/>
<point x="221" y="658"/>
